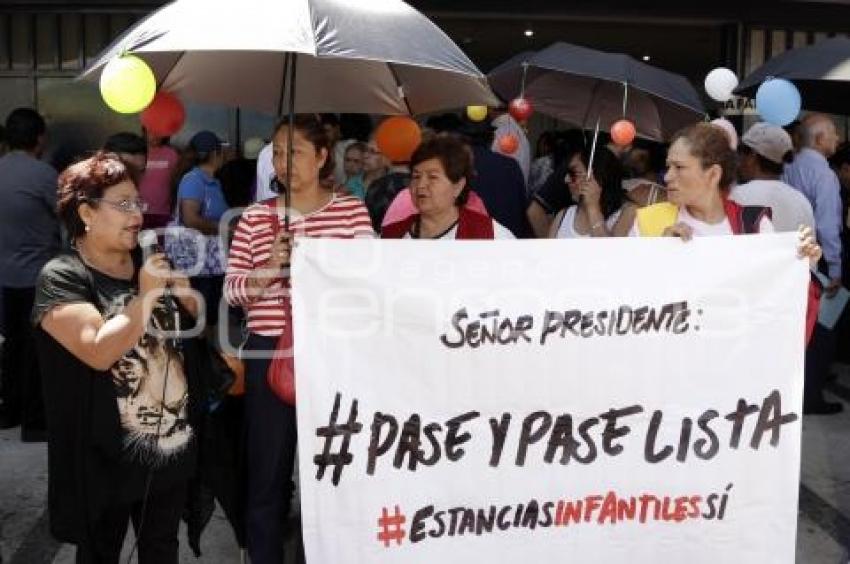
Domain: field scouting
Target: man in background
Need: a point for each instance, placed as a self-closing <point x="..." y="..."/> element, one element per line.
<point x="811" y="175"/>
<point x="29" y="237"/>
<point x="763" y="154"/>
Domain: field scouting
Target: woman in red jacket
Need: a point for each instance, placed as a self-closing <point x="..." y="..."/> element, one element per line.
<point x="441" y="181"/>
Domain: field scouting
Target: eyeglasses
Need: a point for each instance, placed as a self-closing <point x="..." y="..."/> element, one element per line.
<point x="126" y="206"/>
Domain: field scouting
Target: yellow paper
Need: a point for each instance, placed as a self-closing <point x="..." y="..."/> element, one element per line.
<point x="653" y="220"/>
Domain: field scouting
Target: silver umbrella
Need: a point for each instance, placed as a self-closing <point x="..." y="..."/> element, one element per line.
<point x="369" y="56"/>
<point x="300" y="56"/>
<point x="584" y="87"/>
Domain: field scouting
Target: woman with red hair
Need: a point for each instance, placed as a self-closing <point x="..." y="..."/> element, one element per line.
<point x="119" y="391"/>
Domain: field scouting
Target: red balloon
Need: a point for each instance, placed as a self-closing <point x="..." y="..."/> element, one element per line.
<point x="508" y="144"/>
<point x="164" y="116"/>
<point x="397" y="137"/>
<point x="623" y="132"/>
<point x="520" y="109"/>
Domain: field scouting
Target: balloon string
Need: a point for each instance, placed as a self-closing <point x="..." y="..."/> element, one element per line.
<point x="522" y="86"/>
<point x="625" y="97"/>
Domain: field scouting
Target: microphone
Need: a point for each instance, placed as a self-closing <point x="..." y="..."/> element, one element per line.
<point x="149" y="242"/>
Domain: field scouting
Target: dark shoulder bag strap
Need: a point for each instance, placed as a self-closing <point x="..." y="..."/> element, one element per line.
<point x="751" y="217"/>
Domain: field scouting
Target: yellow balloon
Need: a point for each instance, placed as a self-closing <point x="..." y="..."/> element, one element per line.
<point x="127" y="84"/>
<point x="476" y="113"/>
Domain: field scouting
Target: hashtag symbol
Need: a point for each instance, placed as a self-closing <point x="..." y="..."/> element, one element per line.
<point x="391" y="527"/>
<point x="343" y="456"/>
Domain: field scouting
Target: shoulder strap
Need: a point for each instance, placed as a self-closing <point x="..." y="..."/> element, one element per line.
<point x="176" y="214"/>
<point x="751" y="217"/>
<point x="745" y="219"/>
<point x="653" y="193"/>
<point x="563" y="214"/>
<point x="733" y="214"/>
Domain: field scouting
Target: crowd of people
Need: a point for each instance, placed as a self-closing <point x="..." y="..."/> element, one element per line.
<point x="91" y="363"/>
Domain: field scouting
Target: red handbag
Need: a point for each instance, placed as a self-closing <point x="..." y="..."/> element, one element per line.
<point x="281" y="371"/>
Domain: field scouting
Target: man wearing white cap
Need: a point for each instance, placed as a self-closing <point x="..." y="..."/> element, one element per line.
<point x="764" y="150"/>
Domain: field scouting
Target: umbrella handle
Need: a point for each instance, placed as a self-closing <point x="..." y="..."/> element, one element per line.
<point x="290" y="131"/>
<point x="592" y="153"/>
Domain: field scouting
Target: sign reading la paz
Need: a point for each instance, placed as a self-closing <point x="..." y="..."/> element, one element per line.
<point x="491" y="401"/>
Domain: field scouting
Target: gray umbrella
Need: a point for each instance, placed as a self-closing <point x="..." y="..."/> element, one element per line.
<point x="821" y="73"/>
<point x="370" y="56"/>
<point x="300" y="56"/>
<point x="580" y="86"/>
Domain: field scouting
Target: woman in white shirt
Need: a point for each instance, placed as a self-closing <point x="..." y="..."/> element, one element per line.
<point x="701" y="168"/>
<point x="603" y="209"/>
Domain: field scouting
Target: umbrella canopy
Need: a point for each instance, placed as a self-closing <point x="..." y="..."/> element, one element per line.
<point x="821" y="73"/>
<point x="370" y="56"/>
<point x="511" y="64"/>
<point x="580" y="85"/>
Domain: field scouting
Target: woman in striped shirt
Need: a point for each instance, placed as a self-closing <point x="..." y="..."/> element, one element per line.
<point x="258" y="279"/>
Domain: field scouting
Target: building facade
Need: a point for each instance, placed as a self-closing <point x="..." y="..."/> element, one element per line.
<point x="45" y="44"/>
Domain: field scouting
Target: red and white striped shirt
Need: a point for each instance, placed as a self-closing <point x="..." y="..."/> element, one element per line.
<point x="344" y="217"/>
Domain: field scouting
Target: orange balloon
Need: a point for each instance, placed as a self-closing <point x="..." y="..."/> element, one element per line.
<point x="623" y="132"/>
<point x="397" y="137"/>
<point x="508" y="144"/>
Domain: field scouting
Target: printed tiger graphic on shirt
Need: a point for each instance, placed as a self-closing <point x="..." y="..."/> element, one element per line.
<point x="140" y="384"/>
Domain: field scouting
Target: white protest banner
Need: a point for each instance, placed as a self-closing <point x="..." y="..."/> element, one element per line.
<point x="629" y="400"/>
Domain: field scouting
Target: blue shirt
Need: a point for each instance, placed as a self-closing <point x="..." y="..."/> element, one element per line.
<point x="197" y="185"/>
<point x="29" y="228"/>
<point x="811" y="175"/>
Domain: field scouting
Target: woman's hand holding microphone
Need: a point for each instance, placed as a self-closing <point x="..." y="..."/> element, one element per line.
<point x="157" y="278"/>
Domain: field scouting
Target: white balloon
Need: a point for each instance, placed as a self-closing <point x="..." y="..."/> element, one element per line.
<point x="720" y="83"/>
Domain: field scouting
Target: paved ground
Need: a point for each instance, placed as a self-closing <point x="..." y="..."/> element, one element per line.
<point x="823" y="531"/>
